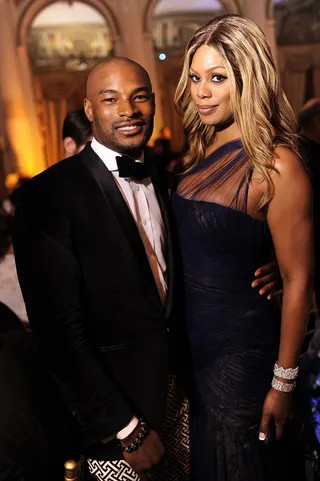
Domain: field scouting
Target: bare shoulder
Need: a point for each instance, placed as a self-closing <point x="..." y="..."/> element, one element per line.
<point x="291" y="178"/>
<point x="288" y="163"/>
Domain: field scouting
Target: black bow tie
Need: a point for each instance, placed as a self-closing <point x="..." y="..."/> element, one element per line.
<point x="128" y="167"/>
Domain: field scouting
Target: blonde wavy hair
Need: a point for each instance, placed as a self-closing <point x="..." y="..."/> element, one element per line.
<point x="260" y="107"/>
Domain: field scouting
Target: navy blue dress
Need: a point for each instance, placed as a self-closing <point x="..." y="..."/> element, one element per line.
<point x="233" y="331"/>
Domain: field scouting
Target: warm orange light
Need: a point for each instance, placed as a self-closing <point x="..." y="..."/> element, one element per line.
<point x="24" y="142"/>
<point x="166" y="132"/>
<point x="12" y="180"/>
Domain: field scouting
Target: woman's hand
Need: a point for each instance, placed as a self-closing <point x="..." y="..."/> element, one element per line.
<point x="276" y="409"/>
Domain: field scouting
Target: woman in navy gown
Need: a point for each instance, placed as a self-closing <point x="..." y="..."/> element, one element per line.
<point x="243" y="192"/>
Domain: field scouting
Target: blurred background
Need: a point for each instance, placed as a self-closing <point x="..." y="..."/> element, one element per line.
<point x="49" y="47"/>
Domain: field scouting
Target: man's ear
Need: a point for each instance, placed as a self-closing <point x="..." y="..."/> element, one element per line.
<point x="88" y="109"/>
<point x="70" y="147"/>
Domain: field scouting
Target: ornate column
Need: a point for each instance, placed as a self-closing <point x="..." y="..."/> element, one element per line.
<point x="138" y="45"/>
<point x="255" y="11"/>
<point x="261" y="12"/>
<point x="17" y="97"/>
<point x="270" y="31"/>
<point x="157" y="34"/>
<point x="316" y="73"/>
<point x="30" y="100"/>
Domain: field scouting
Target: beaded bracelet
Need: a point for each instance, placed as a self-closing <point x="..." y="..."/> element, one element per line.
<point x="283" y="386"/>
<point x="136" y="443"/>
<point x="290" y="373"/>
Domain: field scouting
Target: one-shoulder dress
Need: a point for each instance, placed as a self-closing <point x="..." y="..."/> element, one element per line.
<point x="233" y="331"/>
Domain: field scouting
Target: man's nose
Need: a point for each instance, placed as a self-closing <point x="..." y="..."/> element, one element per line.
<point x="126" y="108"/>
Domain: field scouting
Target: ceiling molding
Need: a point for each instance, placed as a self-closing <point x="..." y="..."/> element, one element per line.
<point x="231" y="6"/>
<point x="29" y="9"/>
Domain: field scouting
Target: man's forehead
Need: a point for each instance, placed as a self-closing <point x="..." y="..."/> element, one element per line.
<point x="118" y="79"/>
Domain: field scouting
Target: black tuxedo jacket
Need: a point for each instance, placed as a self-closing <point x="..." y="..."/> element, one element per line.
<point x="91" y="297"/>
<point x="37" y="433"/>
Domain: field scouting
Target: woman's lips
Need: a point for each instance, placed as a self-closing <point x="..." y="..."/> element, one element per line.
<point x="206" y="109"/>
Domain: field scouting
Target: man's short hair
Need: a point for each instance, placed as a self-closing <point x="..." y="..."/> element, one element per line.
<point x="308" y="112"/>
<point x="77" y="126"/>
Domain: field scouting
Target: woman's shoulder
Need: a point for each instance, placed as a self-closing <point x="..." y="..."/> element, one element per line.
<point x="288" y="162"/>
<point x="290" y="175"/>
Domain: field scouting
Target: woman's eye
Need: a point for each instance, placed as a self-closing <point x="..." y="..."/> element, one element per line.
<point x="218" y="78"/>
<point x="194" y="78"/>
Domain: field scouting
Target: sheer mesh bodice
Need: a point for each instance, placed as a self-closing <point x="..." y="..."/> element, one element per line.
<point x="233" y="331"/>
<point x="222" y="178"/>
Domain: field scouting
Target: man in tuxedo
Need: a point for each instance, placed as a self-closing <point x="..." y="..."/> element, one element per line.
<point x="94" y="254"/>
<point x="94" y="258"/>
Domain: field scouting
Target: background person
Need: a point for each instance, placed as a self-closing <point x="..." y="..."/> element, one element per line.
<point x="76" y="132"/>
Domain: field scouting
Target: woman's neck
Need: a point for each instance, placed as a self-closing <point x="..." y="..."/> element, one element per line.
<point x="232" y="132"/>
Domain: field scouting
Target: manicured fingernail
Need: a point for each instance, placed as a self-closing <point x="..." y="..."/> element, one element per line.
<point x="262" y="436"/>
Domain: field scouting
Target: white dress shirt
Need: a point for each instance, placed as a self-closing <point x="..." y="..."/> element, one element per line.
<point x="141" y="199"/>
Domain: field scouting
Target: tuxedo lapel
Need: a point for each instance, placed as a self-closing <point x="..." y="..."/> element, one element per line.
<point x="121" y="212"/>
<point x="162" y="194"/>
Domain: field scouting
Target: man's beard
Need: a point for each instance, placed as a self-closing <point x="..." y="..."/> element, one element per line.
<point x="109" y="139"/>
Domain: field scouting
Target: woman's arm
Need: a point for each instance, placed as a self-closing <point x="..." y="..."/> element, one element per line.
<point x="290" y="219"/>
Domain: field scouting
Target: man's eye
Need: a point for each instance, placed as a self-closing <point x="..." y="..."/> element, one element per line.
<point x="141" y="97"/>
<point x="194" y="78"/>
<point x="109" y="100"/>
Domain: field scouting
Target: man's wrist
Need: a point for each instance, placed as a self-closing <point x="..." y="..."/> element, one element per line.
<point x="124" y="433"/>
<point x="135" y="440"/>
<point x="127" y="430"/>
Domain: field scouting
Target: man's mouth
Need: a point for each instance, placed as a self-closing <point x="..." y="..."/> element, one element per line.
<point x="130" y="128"/>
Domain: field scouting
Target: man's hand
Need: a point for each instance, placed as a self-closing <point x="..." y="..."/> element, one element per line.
<point x="148" y="455"/>
<point x="268" y="280"/>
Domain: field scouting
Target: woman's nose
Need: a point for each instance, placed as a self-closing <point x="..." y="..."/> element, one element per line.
<point x="203" y="91"/>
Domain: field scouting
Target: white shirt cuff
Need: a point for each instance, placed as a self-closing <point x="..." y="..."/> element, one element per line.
<point x="128" y="429"/>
